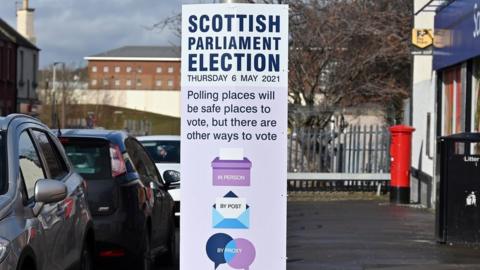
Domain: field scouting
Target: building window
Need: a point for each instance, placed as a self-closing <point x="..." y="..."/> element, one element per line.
<point x="453" y="101"/>
<point x="117" y="69"/>
<point x="34" y="71"/>
<point x="170" y="69"/>
<point x="129" y="82"/>
<point x="139" y="69"/>
<point x="158" y="83"/>
<point x="21" y="65"/>
<point x="476" y="96"/>
<point x="170" y="83"/>
<point x="105" y="69"/>
<point x="117" y="82"/>
<point x="6" y="70"/>
<point x="139" y="82"/>
<point x="129" y="69"/>
<point x="105" y="82"/>
<point x="94" y="82"/>
<point x="94" y="69"/>
<point x="159" y="69"/>
<point x="476" y="101"/>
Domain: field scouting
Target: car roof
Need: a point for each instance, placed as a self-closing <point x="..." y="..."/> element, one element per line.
<point x="91" y="132"/>
<point x="159" y="138"/>
<point x="116" y="136"/>
<point x="7" y="120"/>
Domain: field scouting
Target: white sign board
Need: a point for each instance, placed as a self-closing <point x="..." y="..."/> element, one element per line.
<point x="234" y="136"/>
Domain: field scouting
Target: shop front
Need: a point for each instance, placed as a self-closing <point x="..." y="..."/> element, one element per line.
<point x="456" y="61"/>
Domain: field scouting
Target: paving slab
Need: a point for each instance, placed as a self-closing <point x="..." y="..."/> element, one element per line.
<point x="369" y="234"/>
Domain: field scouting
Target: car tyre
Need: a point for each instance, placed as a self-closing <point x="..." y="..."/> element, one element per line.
<point x="26" y="263"/>
<point x="86" y="259"/>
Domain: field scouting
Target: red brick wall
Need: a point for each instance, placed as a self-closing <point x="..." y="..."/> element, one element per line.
<point x="148" y="76"/>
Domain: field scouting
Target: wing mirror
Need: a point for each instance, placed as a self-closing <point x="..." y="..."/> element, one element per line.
<point x="171" y="177"/>
<point x="50" y="191"/>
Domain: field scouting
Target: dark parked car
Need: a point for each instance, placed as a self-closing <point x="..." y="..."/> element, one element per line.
<point x="131" y="207"/>
<point x="165" y="152"/>
<point x="44" y="218"/>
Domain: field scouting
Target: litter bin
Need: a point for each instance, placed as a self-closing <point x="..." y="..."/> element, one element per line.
<point x="458" y="205"/>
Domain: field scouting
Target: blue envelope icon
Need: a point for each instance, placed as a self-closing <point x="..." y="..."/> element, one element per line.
<point x="231" y="212"/>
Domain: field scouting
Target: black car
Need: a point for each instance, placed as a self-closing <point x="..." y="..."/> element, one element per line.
<point x="132" y="210"/>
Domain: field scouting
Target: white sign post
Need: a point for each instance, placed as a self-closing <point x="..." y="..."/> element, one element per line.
<point x="234" y="136"/>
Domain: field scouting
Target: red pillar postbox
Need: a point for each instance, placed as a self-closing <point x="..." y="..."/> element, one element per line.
<point x="400" y="155"/>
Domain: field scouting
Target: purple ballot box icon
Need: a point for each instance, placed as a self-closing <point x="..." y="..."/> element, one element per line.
<point x="231" y="172"/>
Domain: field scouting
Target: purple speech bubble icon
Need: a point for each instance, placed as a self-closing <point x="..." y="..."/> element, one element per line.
<point x="239" y="253"/>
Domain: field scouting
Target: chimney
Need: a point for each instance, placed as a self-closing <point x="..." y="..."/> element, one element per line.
<point x="25" y="22"/>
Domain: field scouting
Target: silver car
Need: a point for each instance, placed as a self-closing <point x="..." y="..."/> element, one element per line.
<point x="44" y="218"/>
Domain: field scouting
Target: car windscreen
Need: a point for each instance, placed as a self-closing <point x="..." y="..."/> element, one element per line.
<point x="91" y="159"/>
<point x="163" y="151"/>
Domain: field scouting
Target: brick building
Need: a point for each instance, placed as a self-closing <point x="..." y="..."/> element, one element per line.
<point x="135" y="68"/>
<point x="8" y="66"/>
<point x="18" y="72"/>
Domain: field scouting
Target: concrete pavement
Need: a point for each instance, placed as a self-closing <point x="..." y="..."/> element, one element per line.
<point x="351" y="235"/>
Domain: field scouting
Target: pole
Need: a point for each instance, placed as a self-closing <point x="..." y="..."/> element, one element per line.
<point x="64" y="99"/>
<point x="54" y="105"/>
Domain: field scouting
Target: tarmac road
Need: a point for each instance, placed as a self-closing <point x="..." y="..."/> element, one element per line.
<point x="120" y="266"/>
<point x="366" y="235"/>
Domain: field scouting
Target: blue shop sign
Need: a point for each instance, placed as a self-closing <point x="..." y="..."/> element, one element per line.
<point x="457" y="33"/>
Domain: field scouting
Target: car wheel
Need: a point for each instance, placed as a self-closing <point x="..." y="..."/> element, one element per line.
<point x="86" y="260"/>
<point x="26" y="263"/>
<point x="145" y="261"/>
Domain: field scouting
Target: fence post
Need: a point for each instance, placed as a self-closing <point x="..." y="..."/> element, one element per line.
<point x="375" y="153"/>
<point x="308" y="145"/>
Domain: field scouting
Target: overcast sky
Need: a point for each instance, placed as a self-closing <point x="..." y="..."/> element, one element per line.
<point x="68" y="30"/>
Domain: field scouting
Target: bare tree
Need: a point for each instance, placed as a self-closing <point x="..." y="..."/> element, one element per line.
<point x="343" y="53"/>
<point x="69" y="78"/>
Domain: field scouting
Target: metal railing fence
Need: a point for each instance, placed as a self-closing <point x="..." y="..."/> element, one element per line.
<point x="356" y="158"/>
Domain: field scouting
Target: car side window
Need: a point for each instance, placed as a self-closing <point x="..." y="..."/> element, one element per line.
<point x="30" y="164"/>
<point x="141" y="161"/>
<point x="150" y="167"/>
<point x="133" y="152"/>
<point x="55" y="164"/>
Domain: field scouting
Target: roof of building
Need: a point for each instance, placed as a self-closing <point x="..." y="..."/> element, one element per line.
<point x="14" y="36"/>
<point x="138" y="52"/>
<point x="4" y="37"/>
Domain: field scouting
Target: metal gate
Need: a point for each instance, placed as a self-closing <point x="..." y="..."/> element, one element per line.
<point x="356" y="158"/>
